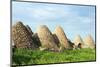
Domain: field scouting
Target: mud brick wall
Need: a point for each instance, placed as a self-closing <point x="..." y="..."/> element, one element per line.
<point x="59" y="32"/>
<point x="89" y="42"/>
<point x="77" y="41"/>
<point x="46" y="38"/>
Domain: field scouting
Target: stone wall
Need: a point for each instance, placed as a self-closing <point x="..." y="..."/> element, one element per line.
<point x="21" y="36"/>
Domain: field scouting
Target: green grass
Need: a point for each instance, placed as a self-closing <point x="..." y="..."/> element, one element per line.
<point x="26" y="56"/>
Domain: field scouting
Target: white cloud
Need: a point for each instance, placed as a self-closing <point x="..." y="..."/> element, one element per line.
<point x="52" y="15"/>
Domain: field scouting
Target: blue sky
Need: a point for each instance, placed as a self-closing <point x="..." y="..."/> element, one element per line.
<point x="75" y="20"/>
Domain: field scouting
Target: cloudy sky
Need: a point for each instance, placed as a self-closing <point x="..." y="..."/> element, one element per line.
<point x="74" y="19"/>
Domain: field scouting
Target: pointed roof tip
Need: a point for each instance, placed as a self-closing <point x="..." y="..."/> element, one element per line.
<point x="59" y="30"/>
<point x="88" y="37"/>
<point x="78" y="35"/>
<point x="18" y="23"/>
<point x="78" y="39"/>
<point x="58" y="26"/>
<point x="42" y="26"/>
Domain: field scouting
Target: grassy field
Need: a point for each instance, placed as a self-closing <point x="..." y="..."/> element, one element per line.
<point x="26" y="56"/>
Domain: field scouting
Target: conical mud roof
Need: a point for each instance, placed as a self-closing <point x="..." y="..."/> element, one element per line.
<point x="78" y="40"/>
<point x="59" y="33"/>
<point x="89" y="41"/>
<point x="21" y="36"/>
<point x="46" y="37"/>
